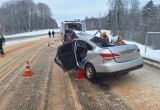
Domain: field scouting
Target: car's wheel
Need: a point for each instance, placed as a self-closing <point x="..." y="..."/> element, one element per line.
<point x="90" y="72"/>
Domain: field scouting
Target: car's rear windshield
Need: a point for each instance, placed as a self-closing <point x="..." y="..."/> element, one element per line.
<point x="101" y="42"/>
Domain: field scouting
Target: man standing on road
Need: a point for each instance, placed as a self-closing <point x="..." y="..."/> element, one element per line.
<point x="49" y="33"/>
<point x="53" y="33"/>
<point x="2" y="40"/>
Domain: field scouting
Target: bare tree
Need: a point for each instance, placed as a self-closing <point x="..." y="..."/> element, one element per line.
<point x="24" y="15"/>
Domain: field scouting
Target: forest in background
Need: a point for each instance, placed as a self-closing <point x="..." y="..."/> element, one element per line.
<point x="130" y="21"/>
<point x="17" y="16"/>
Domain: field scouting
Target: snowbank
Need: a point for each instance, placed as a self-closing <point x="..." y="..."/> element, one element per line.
<point x="23" y="37"/>
<point x="40" y="32"/>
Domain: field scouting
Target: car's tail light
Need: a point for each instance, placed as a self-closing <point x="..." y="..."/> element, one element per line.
<point x="138" y="50"/>
<point x="110" y="56"/>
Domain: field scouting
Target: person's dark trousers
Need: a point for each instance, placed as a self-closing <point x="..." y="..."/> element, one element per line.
<point x="1" y="48"/>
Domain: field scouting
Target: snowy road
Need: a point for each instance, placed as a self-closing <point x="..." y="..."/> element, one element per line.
<point x="50" y="88"/>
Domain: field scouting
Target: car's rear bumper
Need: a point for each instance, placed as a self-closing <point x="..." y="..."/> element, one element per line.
<point x="112" y="67"/>
<point x="122" y="71"/>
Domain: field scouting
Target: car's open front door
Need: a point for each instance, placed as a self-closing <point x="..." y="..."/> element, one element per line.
<point x="65" y="56"/>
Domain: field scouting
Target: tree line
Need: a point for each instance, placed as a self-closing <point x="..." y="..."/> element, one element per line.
<point x="127" y="19"/>
<point x="17" y="16"/>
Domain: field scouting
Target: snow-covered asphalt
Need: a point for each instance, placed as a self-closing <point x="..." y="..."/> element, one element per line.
<point x="52" y="88"/>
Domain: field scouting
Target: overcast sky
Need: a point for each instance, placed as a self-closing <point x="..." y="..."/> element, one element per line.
<point x="78" y="9"/>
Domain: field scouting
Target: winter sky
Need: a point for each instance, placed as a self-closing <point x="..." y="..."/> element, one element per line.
<point x="79" y="9"/>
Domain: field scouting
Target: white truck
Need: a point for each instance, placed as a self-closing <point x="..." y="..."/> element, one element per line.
<point x="67" y="28"/>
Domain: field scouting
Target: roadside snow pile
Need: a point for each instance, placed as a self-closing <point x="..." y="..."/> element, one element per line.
<point x="25" y="39"/>
<point x="33" y="33"/>
<point x="151" y="54"/>
<point x="19" y="41"/>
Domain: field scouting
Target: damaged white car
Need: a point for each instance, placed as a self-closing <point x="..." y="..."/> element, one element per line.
<point x="95" y="56"/>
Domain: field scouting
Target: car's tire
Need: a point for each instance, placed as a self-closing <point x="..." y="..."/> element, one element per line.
<point x="90" y="72"/>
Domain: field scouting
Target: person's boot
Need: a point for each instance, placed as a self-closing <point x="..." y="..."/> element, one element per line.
<point x="2" y="53"/>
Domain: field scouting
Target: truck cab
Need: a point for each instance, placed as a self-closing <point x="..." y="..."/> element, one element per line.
<point x="67" y="28"/>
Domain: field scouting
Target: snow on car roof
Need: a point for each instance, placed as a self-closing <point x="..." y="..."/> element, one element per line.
<point x="83" y="35"/>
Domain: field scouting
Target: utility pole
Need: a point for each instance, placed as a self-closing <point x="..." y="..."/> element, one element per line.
<point x="116" y="19"/>
<point x="149" y="21"/>
<point x="100" y="22"/>
<point x="0" y="25"/>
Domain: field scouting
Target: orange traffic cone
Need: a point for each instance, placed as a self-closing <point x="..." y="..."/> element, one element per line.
<point x="80" y="74"/>
<point x="27" y="70"/>
<point x="48" y="43"/>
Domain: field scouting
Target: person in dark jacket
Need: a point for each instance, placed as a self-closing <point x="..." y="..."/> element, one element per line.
<point x="2" y="40"/>
<point x="49" y="33"/>
<point x="53" y="33"/>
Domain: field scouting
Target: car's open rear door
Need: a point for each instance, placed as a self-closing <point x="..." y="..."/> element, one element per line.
<point x="65" y="56"/>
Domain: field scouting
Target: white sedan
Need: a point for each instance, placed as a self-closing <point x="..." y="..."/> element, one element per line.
<point x="94" y="55"/>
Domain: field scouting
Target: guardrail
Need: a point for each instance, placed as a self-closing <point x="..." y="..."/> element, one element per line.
<point x="152" y="62"/>
<point x="147" y="39"/>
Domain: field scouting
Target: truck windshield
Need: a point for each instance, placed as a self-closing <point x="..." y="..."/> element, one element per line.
<point x="73" y="26"/>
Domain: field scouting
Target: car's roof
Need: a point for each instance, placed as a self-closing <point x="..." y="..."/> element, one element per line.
<point x="83" y="35"/>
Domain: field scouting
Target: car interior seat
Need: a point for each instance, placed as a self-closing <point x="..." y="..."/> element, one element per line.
<point x="80" y="50"/>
